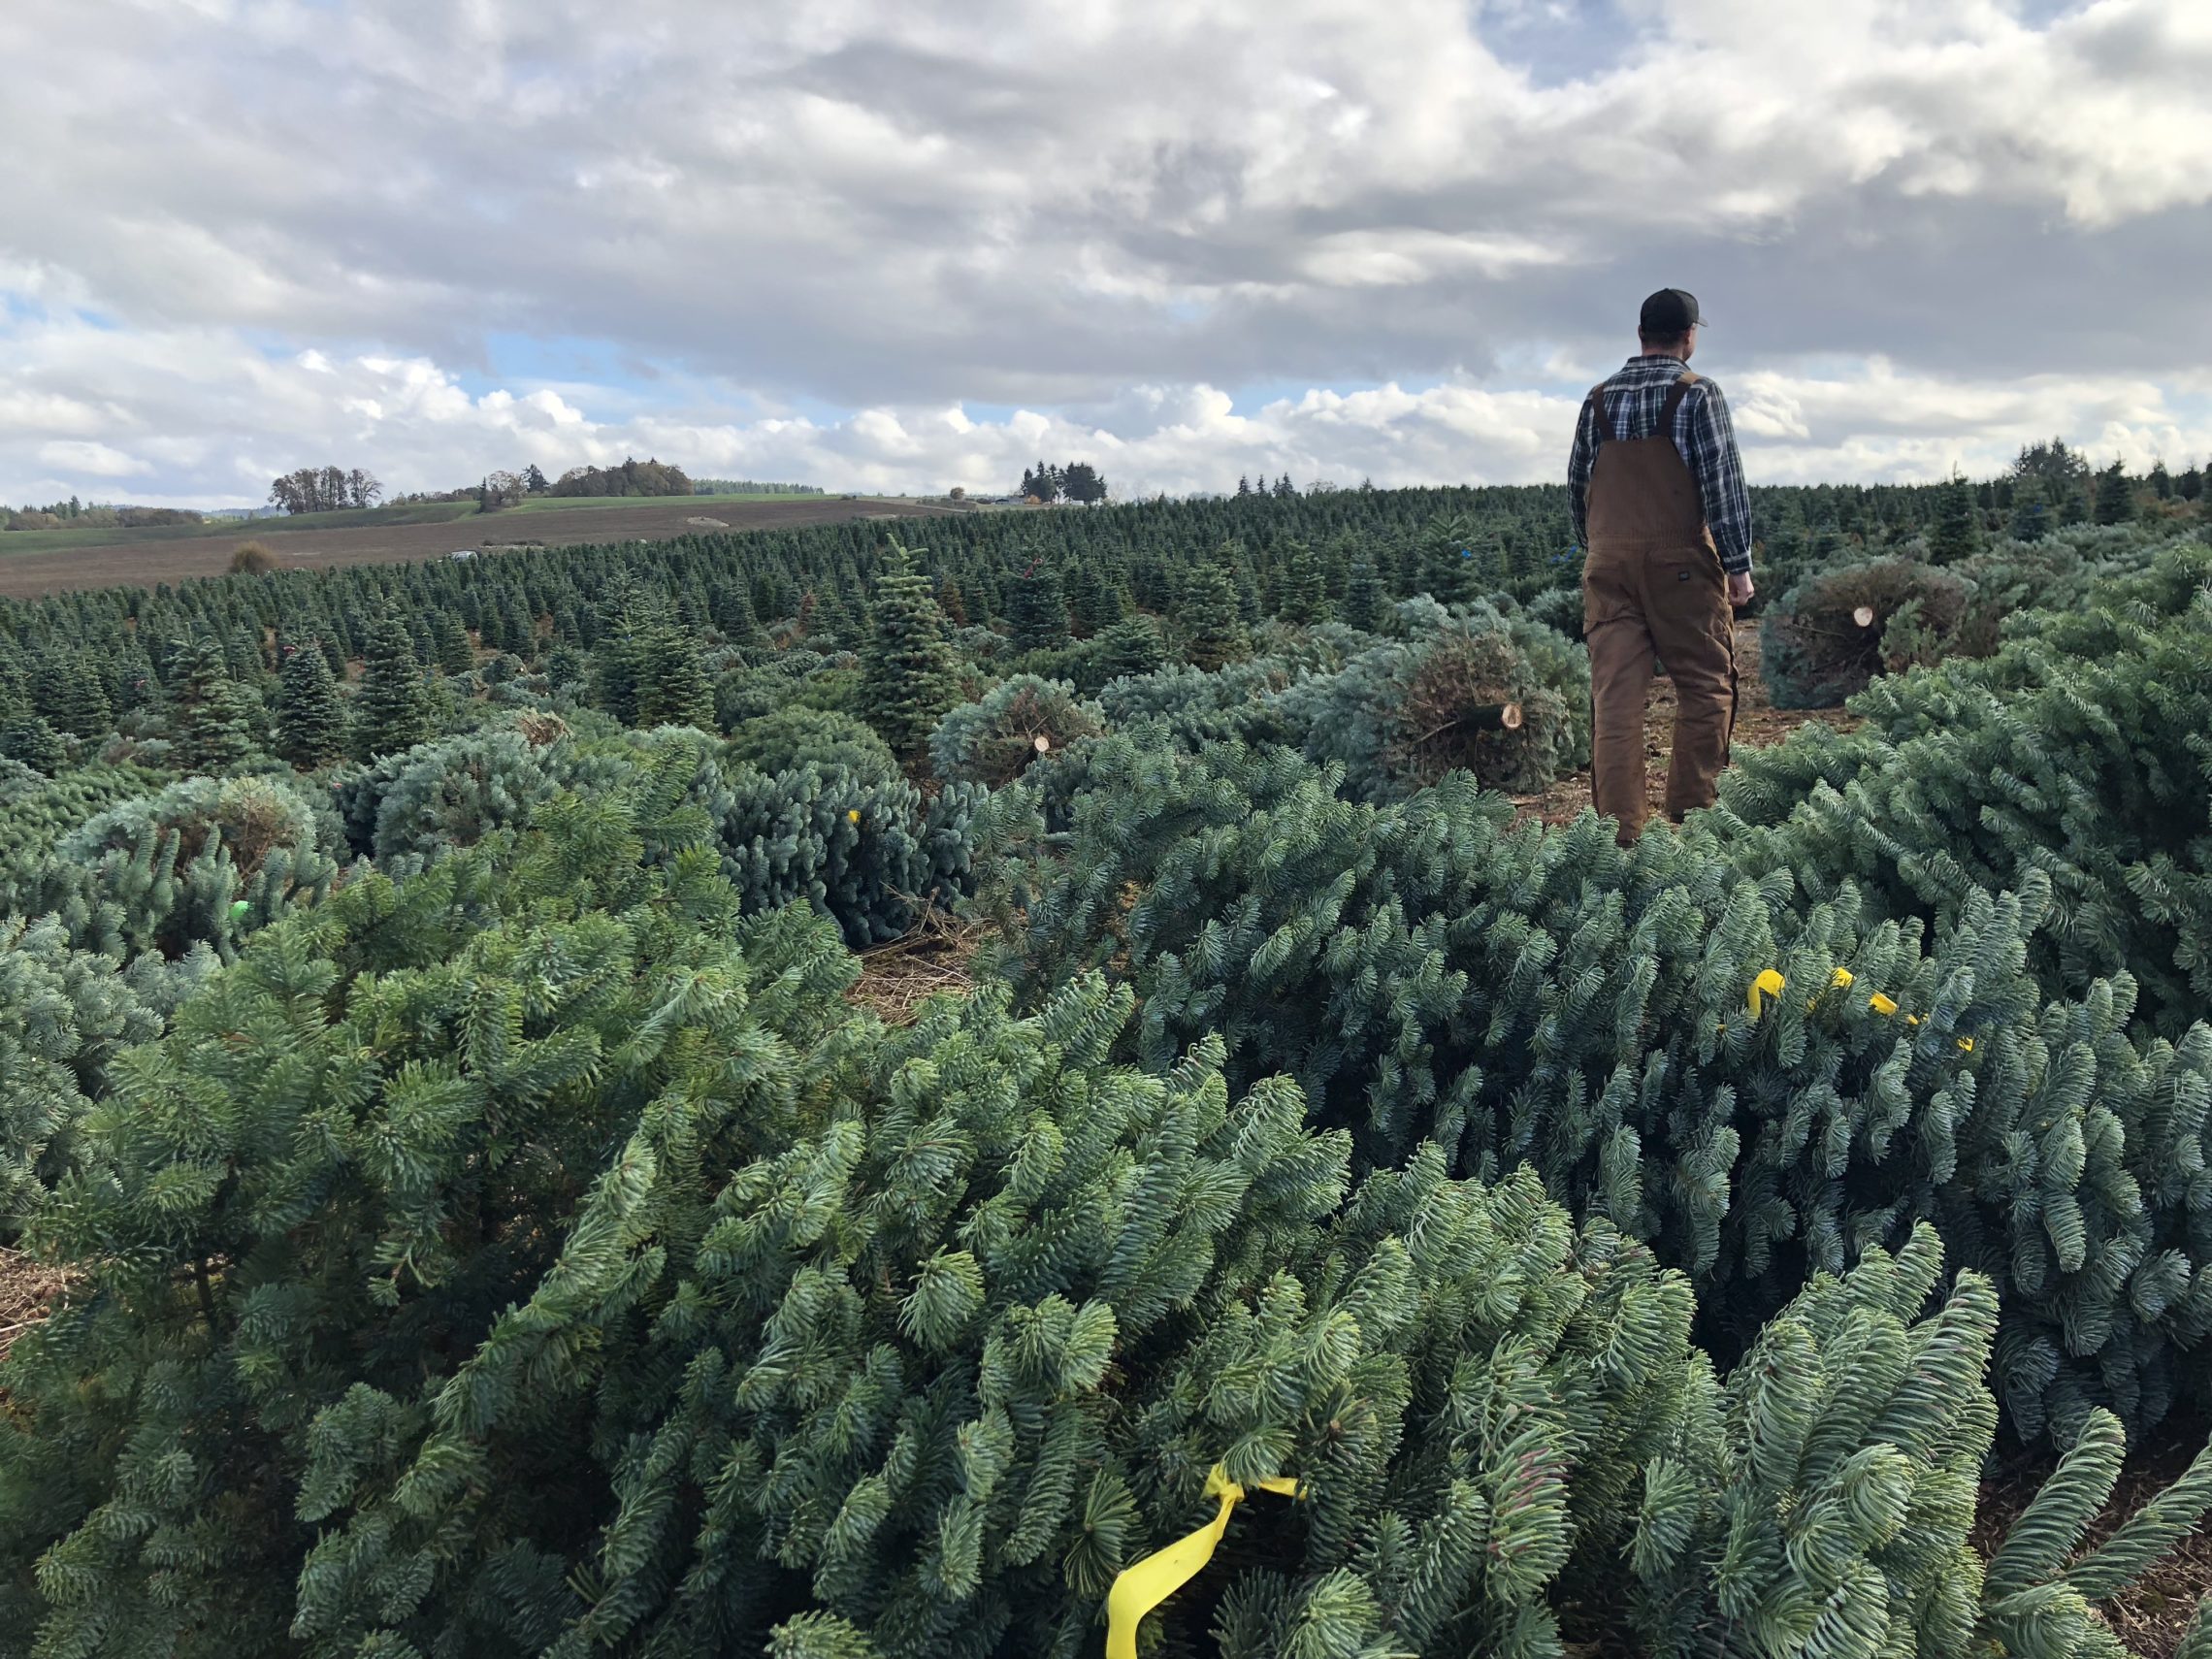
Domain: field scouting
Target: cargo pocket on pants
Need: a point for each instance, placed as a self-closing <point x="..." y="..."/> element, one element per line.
<point x="1610" y="592"/>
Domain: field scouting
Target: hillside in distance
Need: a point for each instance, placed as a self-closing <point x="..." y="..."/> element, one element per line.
<point x="34" y="562"/>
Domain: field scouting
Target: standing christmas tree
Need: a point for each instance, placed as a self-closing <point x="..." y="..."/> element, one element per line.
<point x="392" y="711"/>
<point x="672" y="685"/>
<point x="1037" y="609"/>
<point x="1363" y="596"/>
<point x="1212" y="631"/>
<point x="214" y="717"/>
<point x="1957" y="532"/>
<point x="310" y="714"/>
<point x="1300" y="596"/>
<point x="909" y="680"/>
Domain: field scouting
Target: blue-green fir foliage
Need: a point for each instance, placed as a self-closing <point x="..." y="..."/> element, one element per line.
<point x="796" y="735"/>
<point x="1429" y="973"/>
<point x="455" y="792"/>
<point x="37" y="810"/>
<point x="299" y="1215"/>
<point x="64" y="1014"/>
<point x="202" y="863"/>
<point x="2076" y="752"/>
<point x="556" y="1265"/>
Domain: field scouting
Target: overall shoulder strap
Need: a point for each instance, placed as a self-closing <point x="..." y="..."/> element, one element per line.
<point x="1673" y="406"/>
<point x="1597" y="401"/>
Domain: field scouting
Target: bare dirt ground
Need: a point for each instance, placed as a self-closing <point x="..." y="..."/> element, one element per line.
<point x="27" y="1291"/>
<point x="1758" y="723"/>
<point x="146" y="563"/>
<point x="2152" y="1615"/>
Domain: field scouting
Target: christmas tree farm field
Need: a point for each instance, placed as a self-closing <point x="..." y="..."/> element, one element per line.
<point x="1050" y="1094"/>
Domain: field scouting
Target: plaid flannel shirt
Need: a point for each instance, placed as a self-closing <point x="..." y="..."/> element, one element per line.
<point x="1703" y="435"/>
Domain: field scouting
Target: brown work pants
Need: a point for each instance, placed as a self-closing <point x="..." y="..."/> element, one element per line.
<point x="1669" y="598"/>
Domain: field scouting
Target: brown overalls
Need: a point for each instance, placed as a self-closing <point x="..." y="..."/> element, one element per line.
<point x="1652" y="581"/>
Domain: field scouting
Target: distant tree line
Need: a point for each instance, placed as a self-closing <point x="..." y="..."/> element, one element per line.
<point x="506" y="489"/>
<point x="632" y="478"/>
<point x="418" y="498"/>
<point x="2050" y="485"/>
<point x="75" y="514"/>
<point x="749" y="487"/>
<point x="324" y="489"/>
<point x="1078" y="481"/>
<point x="67" y="510"/>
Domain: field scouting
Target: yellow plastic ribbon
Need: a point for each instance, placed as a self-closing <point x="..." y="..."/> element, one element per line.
<point x="1840" y="980"/>
<point x="1147" y="1583"/>
<point x="1881" y="1004"/>
<point x="1768" y="983"/>
<point x="851" y="815"/>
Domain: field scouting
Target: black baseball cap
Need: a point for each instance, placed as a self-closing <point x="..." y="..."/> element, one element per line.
<point x="1669" y="312"/>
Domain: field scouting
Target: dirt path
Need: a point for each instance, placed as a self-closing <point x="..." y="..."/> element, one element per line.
<point x="1758" y="723"/>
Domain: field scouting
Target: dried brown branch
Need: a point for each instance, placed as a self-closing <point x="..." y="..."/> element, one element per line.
<point x="931" y="957"/>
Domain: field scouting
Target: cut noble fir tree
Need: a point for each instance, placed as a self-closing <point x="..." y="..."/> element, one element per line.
<point x="973" y="1307"/>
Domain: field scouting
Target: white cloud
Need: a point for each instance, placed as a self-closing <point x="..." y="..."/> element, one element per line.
<point x="1357" y="259"/>
<point x="94" y="460"/>
<point x="34" y="413"/>
<point x="202" y="418"/>
<point x="897" y="211"/>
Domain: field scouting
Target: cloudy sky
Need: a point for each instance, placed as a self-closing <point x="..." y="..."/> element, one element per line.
<point x="893" y="244"/>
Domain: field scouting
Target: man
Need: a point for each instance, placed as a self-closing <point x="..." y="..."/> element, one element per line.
<point x="1664" y="524"/>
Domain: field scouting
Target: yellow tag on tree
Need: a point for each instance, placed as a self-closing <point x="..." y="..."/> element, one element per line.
<point x="1147" y="1583"/>
<point x="1768" y="983"/>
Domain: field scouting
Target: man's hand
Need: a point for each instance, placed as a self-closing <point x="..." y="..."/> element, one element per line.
<point x="1740" y="589"/>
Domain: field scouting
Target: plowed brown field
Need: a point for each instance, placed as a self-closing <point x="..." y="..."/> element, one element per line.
<point x="141" y="563"/>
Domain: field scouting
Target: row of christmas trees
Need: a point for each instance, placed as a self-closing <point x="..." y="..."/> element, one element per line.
<point x="74" y="665"/>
